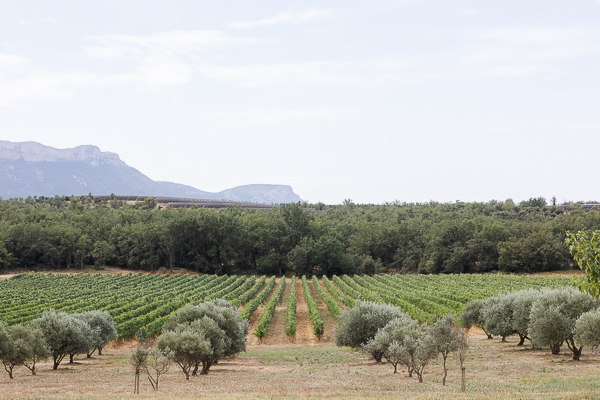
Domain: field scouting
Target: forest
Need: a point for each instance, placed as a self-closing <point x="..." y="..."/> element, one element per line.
<point x="430" y="238"/>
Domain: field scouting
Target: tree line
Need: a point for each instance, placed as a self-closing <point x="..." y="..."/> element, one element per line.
<point x="459" y="237"/>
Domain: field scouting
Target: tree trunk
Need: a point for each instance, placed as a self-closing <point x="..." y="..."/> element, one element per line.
<point x="71" y="358"/>
<point x="576" y="351"/>
<point x="99" y="350"/>
<point x="555" y="347"/>
<point x="463" y="380"/>
<point x="136" y="383"/>
<point x="377" y="355"/>
<point x="195" y="372"/>
<point x="395" y="367"/>
<point x="9" y="369"/>
<point x="205" y="367"/>
<point x="488" y="335"/>
<point x="504" y="339"/>
<point x="445" y="371"/>
<point x="521" y="340"/>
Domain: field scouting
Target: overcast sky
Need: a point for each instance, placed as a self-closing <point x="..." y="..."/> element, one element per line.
<point x="374" y="101"/>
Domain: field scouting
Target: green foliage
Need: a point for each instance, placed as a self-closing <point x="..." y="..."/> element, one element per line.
<point x="188" y="347"/>
<point x="313" y="310"/>
<point x="585" y="249"/>
<point x="253" y="304"/>
<point x="103" y="329"/>
<point x="332" y="305"/>
<point x="342" y="239"/>
<point x="290" y="311"/>
<point x="360" y="324"/>
<point x="226" y="317"/>
<point x="553" y="317"/>
<point x="264" y="321"/>
<point x="587" y="329"/>
<point x="64" y="334"/>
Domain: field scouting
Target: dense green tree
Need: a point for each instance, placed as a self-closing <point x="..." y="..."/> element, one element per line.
<point x="585" y="248"/>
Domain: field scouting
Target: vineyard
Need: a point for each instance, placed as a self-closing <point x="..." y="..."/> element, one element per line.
<point x="142" y="303"/>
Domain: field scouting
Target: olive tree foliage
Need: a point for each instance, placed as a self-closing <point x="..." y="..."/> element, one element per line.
<point x="64" y="335"/>
<point x="360" y="324"/>
<point x="137" y="360"/>
<point x="32" y="343"/>
<point x="447" y="337"/>
<point x="103" y="329"/>
<point x="188" y="347"/>
<point x="472" y="315"/>
<point x="585" y="249"/>
<point x="394" y="331"/>
<point x="497" y="315"/>
<point x="9" y="352"/>
<point x="416" y="350"/>
<point x="224" y="314"/>
<point x="216" y="323"/>
<point x="523" y="300"/>
<point x="587" y="329"/>
<point x="553" y="318"/>
<point x="153" y="361"/>
<point x="20" y="345"/>
<point x="157" y="364"/>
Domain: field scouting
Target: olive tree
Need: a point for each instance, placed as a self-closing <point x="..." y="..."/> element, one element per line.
<point x="360" y="324"/>
<point x="137" y="360"/>
<point x="416" y="349"/>
<point x="497" y="315"/>
<point x="32" y="344"/>
<point x="227" y="319"/>
<point x="394" y="331"/>
<point x="157" y="363"/>
<point x="64" y="335"/>
<point x="522" y="303"/>
<point x="472" y="315"/>
<point x="587" y="329"/>
<point x="103" y="329"/>
<point x="9" y="351"/>
<point x="188" y="347"/>
<point x="446" y="337"/>
<point x="553" y="318"/>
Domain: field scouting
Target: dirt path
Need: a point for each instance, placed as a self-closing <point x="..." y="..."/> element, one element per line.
<point x="329" y="323"/>
<point x="304" y="329"/>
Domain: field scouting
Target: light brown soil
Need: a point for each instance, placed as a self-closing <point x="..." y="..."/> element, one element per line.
<point x="304" y="329"/>
<point x="329" y="323"/>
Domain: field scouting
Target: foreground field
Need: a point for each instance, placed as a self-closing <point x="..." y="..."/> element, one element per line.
<point x="278" y="366"/>
<point x="494" y="371"/>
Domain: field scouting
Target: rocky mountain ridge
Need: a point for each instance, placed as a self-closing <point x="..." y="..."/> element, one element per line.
<point x="33" y="169"/>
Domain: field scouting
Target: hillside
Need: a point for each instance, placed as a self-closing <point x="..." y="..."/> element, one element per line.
<point x="32" y="169"/>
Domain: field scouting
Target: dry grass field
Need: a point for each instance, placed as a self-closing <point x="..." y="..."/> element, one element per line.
<point x="495" y="370"/>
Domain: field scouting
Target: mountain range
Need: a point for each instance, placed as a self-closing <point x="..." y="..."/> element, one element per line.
<point x="33" y="169"/>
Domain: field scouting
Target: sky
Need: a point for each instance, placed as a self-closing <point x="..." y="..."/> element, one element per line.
<point x="374" y="101"/>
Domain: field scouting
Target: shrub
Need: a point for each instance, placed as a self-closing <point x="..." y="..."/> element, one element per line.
<point x="360" y="324"/>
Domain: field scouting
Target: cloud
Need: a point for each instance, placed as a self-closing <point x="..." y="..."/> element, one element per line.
<point x="286" y="17"/>
<point x="276" y="116"/>
<point x="468" y="12"/>
<point x="161" y="59"/>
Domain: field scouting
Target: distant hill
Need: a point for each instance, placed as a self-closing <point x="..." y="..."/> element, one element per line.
<point x="32" y="169"/>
